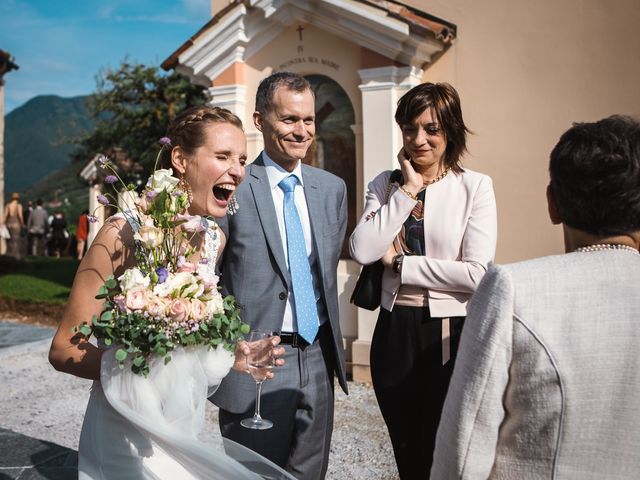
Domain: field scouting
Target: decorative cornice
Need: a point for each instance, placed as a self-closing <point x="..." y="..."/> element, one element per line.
<point x="384" y="78"/>
<point x="243" y="28"/>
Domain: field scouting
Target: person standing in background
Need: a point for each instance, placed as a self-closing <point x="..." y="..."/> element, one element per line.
<point x="13" y="220"/>
<point x="37" y="227"/>
<point x="27" y="214"/>
<point x="59" y="234"/>
<point x="82" y="232"/>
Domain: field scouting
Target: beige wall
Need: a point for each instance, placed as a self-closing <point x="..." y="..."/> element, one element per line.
<point x="525" y="70"/>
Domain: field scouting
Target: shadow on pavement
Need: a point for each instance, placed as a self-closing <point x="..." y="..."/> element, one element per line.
<point x="23" y="457"/>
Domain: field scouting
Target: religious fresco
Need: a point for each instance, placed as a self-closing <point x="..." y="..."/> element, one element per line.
<point x="334" y="148"/>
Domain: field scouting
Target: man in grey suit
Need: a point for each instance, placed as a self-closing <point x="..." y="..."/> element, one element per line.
<point x="37" y="228"/>
<point x="546" y="385"/>
<point x="280" y="262"/>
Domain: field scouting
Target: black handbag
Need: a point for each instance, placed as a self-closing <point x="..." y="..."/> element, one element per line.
<point x="368" y="290"/>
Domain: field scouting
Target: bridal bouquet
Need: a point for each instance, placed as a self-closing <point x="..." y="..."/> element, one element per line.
<point x="166" y="300"/>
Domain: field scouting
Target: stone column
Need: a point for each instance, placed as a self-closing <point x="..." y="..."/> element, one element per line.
<point x="3" y="243"/>
<point x="6" y="65"/>
<point x="381" y="88"/>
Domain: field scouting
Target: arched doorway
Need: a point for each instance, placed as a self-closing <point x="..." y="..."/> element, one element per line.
<point x="334" y="149"/>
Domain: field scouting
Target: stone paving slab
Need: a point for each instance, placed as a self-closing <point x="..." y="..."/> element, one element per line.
<point x="23" y="457"/>
<point x="13" y="333"/>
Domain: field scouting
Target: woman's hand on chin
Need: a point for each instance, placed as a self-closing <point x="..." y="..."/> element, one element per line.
<point x="412" y="179"/>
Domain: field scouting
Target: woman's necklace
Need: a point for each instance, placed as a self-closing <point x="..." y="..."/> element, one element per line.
<point x="607" y="246"/>
<point x="437" y="179"/>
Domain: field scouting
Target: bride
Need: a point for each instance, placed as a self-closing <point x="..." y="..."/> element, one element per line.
<point x="139" y="427"/>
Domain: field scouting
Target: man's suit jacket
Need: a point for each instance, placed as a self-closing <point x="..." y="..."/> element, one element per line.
<point x="38" y="222"/>
<point x="460" y="230"/>
<point x="547" y="382"/>
<point x="255" y="271"/>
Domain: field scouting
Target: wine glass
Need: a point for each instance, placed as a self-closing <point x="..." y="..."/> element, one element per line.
<point x="259" y="362"/>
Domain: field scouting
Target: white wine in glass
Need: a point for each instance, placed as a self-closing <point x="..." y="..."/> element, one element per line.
<point x="259" y="363"/>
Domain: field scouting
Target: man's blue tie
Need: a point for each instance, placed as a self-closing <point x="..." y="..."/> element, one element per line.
<point x="303" y="294"/>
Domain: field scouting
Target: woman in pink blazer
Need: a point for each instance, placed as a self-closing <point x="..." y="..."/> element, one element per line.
<point x="433" y="225"/>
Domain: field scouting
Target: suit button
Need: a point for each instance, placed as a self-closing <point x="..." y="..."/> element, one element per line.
<point x="282" y="296"/>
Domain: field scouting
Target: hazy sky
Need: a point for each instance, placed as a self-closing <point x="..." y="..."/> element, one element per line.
<point x="61" y="45"/>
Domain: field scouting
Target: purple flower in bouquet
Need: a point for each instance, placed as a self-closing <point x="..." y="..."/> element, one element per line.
<point x="92" y="218"/>
<point x="151" y="195"/>
<point x="165" y="141"/>
<point x="111" y="179"/>
<point x="102" y="200"/>
<point x="102" y="161"/>
<point x="163" y="273"/>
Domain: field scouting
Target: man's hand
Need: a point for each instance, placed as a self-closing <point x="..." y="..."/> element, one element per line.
<point x="243" y="350"/>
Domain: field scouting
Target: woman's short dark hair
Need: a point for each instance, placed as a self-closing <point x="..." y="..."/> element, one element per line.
<point x="268" y="86"/>
<point x="444" y="100"/>
<point x="595" y="176"/>
<point x="187" y="129"/>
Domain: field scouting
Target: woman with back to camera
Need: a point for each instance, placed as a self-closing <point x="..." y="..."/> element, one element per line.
<point x="13" y="220"/>
<point x="433" y="225"/>
<point x="208" y="153"/>
<point x="546" y="383"/>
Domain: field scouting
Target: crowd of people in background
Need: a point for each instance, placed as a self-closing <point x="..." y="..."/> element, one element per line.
<point x="37" y="232"/>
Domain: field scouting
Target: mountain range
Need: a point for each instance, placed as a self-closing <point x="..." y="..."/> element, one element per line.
<point x="37" y="138"/>
<point x="37" y="151"/>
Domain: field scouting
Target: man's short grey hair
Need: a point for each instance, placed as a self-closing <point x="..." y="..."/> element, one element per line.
<point x="268" y="87"/>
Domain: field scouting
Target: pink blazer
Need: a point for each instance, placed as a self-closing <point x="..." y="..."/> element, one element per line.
<point x="460" y="230"/>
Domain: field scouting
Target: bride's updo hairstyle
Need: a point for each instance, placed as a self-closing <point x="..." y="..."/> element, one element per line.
<point x="187" y="130"/>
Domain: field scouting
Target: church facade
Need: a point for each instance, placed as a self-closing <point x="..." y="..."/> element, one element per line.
<point x="524" y="70"/>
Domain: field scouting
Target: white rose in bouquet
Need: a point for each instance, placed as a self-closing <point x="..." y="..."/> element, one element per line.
<point x="151" y="237"/>
<point x="133" y="278"/>
<point x="162" y="179"/>
<point x="182" y="284"/>
<point x="215" y="305"/>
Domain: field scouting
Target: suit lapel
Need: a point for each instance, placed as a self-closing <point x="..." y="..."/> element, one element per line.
<point x="315" y="206"/>
<point x="261" y="191"/>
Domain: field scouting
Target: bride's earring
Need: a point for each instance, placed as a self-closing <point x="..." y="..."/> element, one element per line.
<point x="185" y="187"/>
<point x="233" y="206"/>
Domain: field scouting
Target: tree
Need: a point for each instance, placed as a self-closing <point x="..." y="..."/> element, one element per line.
<point x="133" y="106"/>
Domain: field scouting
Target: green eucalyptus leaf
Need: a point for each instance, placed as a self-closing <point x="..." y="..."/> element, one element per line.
<point x="121" y="355"/>
<point x="85" y="330"/>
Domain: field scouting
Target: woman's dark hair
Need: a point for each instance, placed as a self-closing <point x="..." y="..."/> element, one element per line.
<point x="268" y="86"/>
<point x="445" y="102"/>
<point x="187" y="129"/>
<point x="595" y="176"/>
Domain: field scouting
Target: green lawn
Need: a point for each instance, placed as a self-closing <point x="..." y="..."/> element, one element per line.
<point x="40" y="280"/>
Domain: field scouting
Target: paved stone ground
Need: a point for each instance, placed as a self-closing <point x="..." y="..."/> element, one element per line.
<point x="41" y="412"/>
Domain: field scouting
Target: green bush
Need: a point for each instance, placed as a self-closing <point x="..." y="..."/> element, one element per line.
<point x="38" y="279"/>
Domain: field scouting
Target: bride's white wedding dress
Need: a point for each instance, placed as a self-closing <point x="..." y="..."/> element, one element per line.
<point x="147" y="428"/>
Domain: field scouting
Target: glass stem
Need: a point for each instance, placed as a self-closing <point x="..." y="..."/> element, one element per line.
<point x="258" y="391"/>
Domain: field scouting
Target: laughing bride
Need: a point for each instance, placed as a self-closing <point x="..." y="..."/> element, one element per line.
<point x="147" y="290"/>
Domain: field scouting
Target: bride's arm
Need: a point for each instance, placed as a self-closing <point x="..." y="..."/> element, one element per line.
<point x="109" y="253"/>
